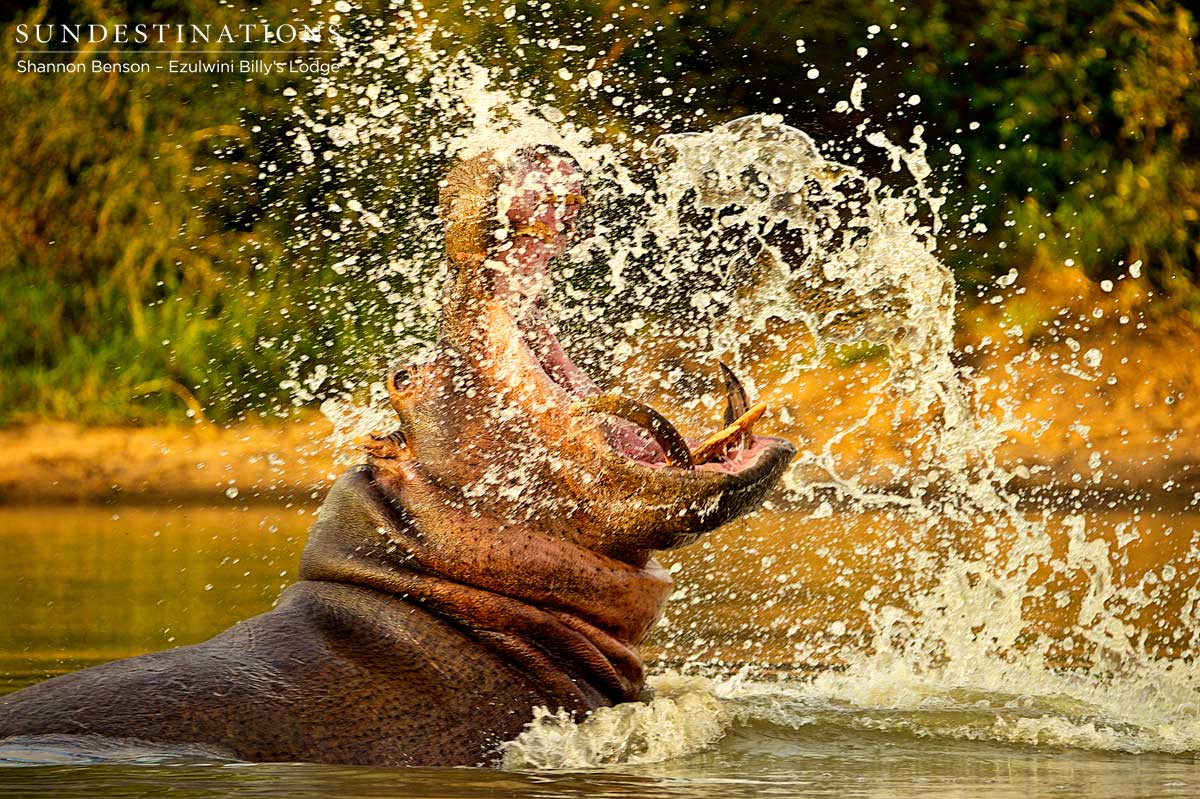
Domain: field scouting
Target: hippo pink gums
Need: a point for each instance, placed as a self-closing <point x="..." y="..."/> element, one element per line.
<point x="494" y="554"/>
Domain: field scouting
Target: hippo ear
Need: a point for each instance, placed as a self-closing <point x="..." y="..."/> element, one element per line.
<point x="468" y="207"/>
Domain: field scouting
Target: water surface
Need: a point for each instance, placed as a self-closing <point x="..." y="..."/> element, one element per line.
<point x="80" y="586"/>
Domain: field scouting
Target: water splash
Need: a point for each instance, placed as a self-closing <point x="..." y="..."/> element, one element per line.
<point x="686" y="716"/>
<point x="690" y="714"/>
<point x="754" y="242"/>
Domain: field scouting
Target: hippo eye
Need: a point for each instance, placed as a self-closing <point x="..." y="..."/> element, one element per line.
<point x="401" y="379"/>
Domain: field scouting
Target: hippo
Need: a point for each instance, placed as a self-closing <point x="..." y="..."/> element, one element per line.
<point x="493" y="555"/>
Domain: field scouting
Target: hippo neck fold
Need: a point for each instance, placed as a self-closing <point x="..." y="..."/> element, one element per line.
<point x="568" y="617"/>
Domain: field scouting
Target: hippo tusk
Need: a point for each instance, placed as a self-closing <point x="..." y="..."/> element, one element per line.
<point x="736" y="401"/>
<point x="735" y="432"/>
<point x="674" y="448"/>
<point x="536" y="230"/>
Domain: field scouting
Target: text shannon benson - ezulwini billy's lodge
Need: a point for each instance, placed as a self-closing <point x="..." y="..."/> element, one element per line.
<point x="227" y="66"/>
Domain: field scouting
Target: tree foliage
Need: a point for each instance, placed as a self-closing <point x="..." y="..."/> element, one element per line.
<point x="146" y="269"/>
<point x="140" y="269"/>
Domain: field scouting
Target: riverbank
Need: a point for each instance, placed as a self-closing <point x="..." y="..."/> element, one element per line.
<point x="1109" y="412"/>
<point x="198" y="463"/>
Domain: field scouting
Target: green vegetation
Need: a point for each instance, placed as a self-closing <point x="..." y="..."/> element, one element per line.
<point x="1077" y="120"/>
<point x="140" y="269"/>
<point x="147" y="262"/>
<point x="1088" y="114"/>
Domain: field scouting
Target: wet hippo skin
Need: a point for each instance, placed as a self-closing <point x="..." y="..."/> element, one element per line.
<point x="494" y="555"/>
<point x="345" y="672"/>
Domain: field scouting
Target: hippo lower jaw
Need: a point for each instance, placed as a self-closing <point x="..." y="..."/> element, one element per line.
<point x="641" y="435"/>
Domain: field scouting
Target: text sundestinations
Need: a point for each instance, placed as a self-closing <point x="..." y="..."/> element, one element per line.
<point x="173" y="33"/>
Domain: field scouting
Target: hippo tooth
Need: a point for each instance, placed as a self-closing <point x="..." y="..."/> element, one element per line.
<point x="718" y="441"/>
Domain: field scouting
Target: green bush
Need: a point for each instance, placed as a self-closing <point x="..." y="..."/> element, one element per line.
<point x="1077" y="119"/>
<point x="139" y="266"/>
<point x="148" y="265"/>
<point x="1087" y="112"/>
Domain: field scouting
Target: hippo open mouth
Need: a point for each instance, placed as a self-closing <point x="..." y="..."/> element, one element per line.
<point x="501" y="417"/>
<point x="642" y="434"/>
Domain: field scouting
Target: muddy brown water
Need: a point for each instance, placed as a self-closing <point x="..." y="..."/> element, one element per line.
<point x="782" y="591"/>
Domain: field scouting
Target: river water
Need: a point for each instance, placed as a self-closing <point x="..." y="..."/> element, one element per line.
<point x="141" y="579"/>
